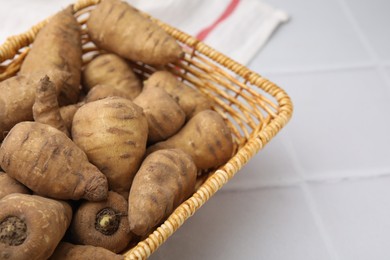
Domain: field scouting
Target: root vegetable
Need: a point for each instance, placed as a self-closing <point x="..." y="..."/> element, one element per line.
<point x="31" y="226"/>
<point x="102" y="91"/>
<point x="205" y="137"/>
<point x="50" y="164"/>
<point x="67" y="251"/>
<point x="57" y="46"/>
<point x="16" y="100"/>
<point x="166" y="178"/>
<point x="45" y="108"/>
<point x="113" y="139"/>
<point x="67" y="114"/>
<point x="133" y="37"/>
<point x="103" y="224"/>
<point x="164" y="115"/>
<point x="9" y="185"/>
<point x="189" y="99"/>
<point x="114" y="73"/>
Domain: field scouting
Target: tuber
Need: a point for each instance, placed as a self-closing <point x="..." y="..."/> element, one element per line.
<point x="114" y="139"/>
<point x="45" y="108"/>
<point x="17" y="99"/>
<point x="31" y="226"/>
<point x="46" y="161"/>
<point x="103" y="91"/>
<point x="103" y="224"/>
<point x="165" y="179"/>
<point x="114" y="73"/>
<point x="68" y="251"/>
<point x="205" y="137"/>
<point x="67" y="114"/>
<point x="57" y="47"/>
<point x="9" y="185"/>
<point x="189" y="99"/>
<point x="133" y="37"/>
<point x="164" y="115"/>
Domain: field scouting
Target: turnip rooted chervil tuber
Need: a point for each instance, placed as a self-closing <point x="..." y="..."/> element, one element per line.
<point x="166" y="178"/>
<point x="50" y="164"/>
<point x="9" y="185"/>
<point x="113" y="133"/>
<point x="189" y="99"/>
<point x="57" y="47"/>
<point x="17" y="97"/>
<point x="110" y="75"/>
<point x="117" y="27"/>
<point x="165" y="117"/>
<point x="45" y="108"/>
<point x="102" y="223"/>
<point x="31" y="226"/>
<point x="205" y="137"/>
<point x="67" y="251"/>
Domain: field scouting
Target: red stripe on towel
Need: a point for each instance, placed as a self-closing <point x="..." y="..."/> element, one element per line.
<point x="228" y="11"/>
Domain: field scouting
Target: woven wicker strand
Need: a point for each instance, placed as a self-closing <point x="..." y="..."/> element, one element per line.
<point x="238" y="93"/>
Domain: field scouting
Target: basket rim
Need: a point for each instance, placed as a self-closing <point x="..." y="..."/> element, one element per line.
<point x="9" y="49"/>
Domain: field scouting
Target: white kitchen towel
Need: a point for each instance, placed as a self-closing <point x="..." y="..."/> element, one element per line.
<point x="237" y="28"/>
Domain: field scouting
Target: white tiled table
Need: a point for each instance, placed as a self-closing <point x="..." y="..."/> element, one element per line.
<point x="321" y="188"/>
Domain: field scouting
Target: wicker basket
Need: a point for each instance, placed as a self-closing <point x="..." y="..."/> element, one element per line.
<point x="254" y="108"/>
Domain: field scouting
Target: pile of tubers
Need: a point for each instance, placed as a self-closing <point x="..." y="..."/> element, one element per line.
<point x="92" y="159"/>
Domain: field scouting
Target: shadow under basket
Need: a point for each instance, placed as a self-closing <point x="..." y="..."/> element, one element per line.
<point x="254" y="108"/>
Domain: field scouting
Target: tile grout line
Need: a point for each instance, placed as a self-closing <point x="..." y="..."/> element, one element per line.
<point x="340" y="177"/>
<point x="327" y="239"/>
<point x="333" y="68"/>
<point x="319" y="179"/>
<point x="313" y="209"/>
<point x="366" y="43"/>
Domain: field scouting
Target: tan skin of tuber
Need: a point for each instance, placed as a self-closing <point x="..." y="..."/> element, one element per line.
<point x="68" y="251"/>
<point x="45" y="108"/>
<point x="133" y="37"/>
<point x="31" y="226"/>
<point x="205" y="137"/>
<point x="17" y="99"/>
<point x="103" y="224"/>
<point x="102" y="91"/>
<point x="10" y="185"/>
<point x="113" y="139"/>
<point x="189" y="99"/>
<point x="57" y="47"/>
<point x="164" y="115"/>
<point x="165" y="179"/>
<point x="67" y="114"/>
<point x="114" y="73"/>
<point x="46" y="161"/>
